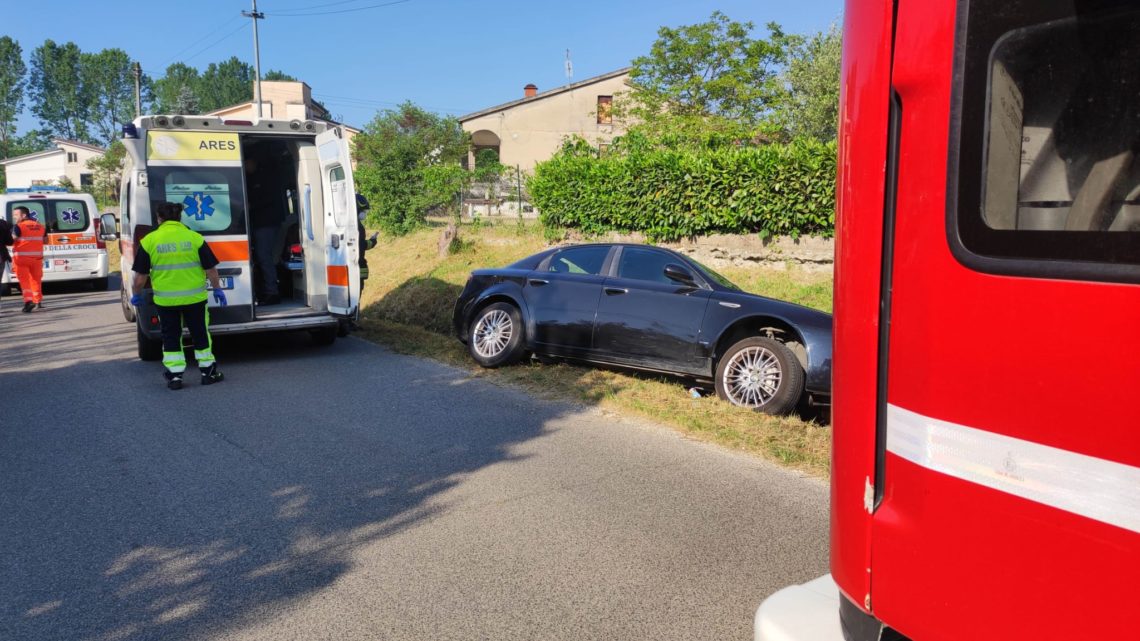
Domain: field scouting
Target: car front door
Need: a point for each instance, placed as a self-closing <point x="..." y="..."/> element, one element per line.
<point x="562" y="295"/>
<point x="648" y="319"/>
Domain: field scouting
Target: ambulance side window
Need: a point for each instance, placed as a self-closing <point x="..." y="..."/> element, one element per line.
<point x="339" y="194"/>
<point x="125" y="205"/>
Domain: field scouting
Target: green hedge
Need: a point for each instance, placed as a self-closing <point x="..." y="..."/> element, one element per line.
<point x="771" y="190"/>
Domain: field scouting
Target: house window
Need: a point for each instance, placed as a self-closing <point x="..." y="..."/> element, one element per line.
<point x="86" y="180"/>
<point x="605" y="110"/>
<point x="603" y="149"/>
<point x="72" y="157"/>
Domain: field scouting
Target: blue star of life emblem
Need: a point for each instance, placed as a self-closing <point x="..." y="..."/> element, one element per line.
<point x="199" y="205"/>
<point x="70" y="216"/>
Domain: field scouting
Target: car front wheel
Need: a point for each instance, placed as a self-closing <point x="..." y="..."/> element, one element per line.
<point x="496" y="335"/>
<point x="761" y="374"/>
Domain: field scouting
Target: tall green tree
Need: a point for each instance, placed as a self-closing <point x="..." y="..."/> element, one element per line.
<point x="170" y="90"/>
<point x="225" y="83"/>
<point x="12" y="80"/>
<point x="109" y="83"/>
<point x="715" y="68"/>
<point x="405" y="164"/>
<point x="56" y="87"/>
<point x="106" y="170"/>
<point x="274" y="74"/>
<point x="811" y="79"/>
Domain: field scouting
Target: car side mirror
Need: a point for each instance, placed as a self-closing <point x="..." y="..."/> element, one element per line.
<point x="108" y="227"/>
<point x="679" y="274"/>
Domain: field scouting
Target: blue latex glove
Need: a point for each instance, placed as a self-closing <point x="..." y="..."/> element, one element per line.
<point x="136" y="299"/>
<point x="220" y="297"/>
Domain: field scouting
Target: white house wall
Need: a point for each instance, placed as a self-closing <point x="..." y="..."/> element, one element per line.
<point x="28" y="173"/>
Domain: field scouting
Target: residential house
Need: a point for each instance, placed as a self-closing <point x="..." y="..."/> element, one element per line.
<point x="532" y="128"/>
<point x="68" y="160"/>
<point x="283" y="100"/>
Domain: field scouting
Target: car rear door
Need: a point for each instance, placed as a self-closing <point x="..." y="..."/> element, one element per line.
<point x="645" y="318"/>
<point x="342" y="246"/>
<point x="562" y="296"/>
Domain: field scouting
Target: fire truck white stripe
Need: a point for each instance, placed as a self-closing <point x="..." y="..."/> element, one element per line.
<point x="1096" y="488"/>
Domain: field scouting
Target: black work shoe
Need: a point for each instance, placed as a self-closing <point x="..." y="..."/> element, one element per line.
<point x="39" y="305"/>
<point x="211" y="375"/>
<point x="174" y="381"/>
<point x="29" y="307"/>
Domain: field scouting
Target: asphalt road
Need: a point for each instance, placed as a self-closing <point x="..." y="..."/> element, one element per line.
<point x="348" y="493"/>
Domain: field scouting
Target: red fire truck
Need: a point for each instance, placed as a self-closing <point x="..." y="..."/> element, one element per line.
<point x="986" y="452"/>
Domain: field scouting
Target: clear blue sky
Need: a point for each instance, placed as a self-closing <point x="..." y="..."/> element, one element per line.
<point x="451" y="56"/>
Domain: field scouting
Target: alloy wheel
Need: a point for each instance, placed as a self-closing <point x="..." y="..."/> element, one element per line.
<point x="493" y="333"/>
<point x="752" y="377"/>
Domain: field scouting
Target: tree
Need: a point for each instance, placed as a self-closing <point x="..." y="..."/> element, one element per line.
<point x="12" y="71"/>
<point x="811" y="81"/>
<point x="59" y="98"/>
<point x="109" y="82"/>
<point x="400" y="156"/>
<point x="170" y="90"/>
<point x="715" y="68"/>
<point x="273" y="74"/>
<point x="106" y="171"/>
<point x="224" y="84"/>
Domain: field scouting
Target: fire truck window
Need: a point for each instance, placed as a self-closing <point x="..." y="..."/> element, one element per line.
<point x="1046" y="175"/>
<point x="1064" y="127"/>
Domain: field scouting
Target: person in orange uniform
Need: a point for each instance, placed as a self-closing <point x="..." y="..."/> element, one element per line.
<point x="28" y="256"/>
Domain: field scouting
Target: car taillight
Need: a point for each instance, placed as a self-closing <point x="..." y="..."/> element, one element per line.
<point x="296" y="249"/>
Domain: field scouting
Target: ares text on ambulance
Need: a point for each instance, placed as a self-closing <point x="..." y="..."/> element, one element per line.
<point x="298" y="172"/>
<point x="73" y="248"/>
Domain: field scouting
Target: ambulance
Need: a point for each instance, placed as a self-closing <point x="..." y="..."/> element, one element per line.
<point x="73" y="248"/>
<point x="227" y="173"/>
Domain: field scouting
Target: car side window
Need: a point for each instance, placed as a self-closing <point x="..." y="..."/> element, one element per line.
<point x="579" y="260"/>
<point x="645" y="264"/>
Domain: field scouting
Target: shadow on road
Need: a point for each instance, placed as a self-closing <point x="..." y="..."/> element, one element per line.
<point x="131" y="512"/>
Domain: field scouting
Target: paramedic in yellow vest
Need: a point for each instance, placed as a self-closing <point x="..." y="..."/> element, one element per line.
<point x="179" y="261"/>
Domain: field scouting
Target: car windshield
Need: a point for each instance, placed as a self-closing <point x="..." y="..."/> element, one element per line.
<point x="720" y="280"/>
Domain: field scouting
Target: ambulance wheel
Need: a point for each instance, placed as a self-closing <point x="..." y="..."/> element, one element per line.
<point x="100" y="284"/>
<point x="125" y="303"/>
<point x="324" y="336"/>
<point x="149" y="349"/>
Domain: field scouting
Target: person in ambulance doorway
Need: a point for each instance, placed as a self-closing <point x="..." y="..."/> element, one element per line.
<point x="266" y="215"/>
<point x="179" y="261"/>
<point x="28" y="257"/>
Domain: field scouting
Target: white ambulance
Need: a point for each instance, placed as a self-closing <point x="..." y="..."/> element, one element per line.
<point x="235" y="176"/>
<point x="73" y="248"/>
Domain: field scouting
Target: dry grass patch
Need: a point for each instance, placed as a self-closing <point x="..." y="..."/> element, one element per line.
<point x="408" y="302"/>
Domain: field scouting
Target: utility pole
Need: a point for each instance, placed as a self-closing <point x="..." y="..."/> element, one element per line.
<point x="255" y="15"/>
<point x="138" y="90"/>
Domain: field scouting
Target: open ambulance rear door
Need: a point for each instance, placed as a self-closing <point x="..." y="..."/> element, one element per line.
<point x="342" y="247"/>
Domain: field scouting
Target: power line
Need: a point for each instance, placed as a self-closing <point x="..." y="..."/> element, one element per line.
<point x="199" y="40"/>
<point x="298" y="13"/>
<point x="318" y="6"/>
<point x="243" y="25"/>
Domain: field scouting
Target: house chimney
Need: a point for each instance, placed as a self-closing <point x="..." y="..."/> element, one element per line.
<point x="529" y="91"/>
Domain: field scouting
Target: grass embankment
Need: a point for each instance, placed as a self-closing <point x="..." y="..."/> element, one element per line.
<point x="408" y="302"/>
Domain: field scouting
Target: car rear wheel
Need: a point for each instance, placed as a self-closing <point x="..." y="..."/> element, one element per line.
<point x="324" y="336"/>
<point x="496" y="335"/>
<point x="761" y="374"/>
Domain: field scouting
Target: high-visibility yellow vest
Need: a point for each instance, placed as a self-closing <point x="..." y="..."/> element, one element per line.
<point x="176" y="273"/>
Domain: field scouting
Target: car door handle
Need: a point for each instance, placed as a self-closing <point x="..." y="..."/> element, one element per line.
<point x="616" y="291"/>
<point x="538" y="282"/>
<point x="335" y="241"/>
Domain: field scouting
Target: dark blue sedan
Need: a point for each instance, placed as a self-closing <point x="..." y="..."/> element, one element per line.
<point x="650" y="309"/>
